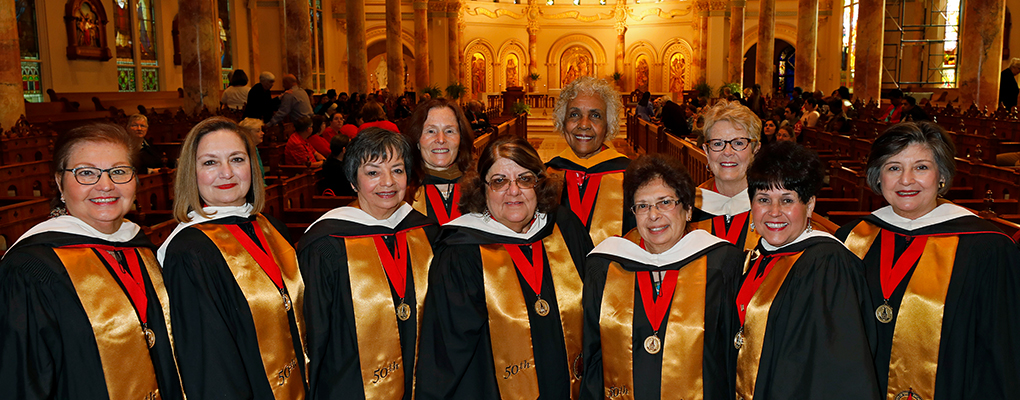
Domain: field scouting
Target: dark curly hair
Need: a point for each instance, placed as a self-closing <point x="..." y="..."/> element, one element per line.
<point x="786" y="165"/>
<point x="376" y="144"/>
<point x="649" y="167"/>
<point x="518" y="150"/>
<point x="465" y="152"/>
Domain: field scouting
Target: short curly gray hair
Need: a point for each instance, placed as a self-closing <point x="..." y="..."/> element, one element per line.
<point x="592" y="86"/>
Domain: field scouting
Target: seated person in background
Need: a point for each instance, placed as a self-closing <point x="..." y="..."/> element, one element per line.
<point x="298" y="151"/>
<point x="325" y="101"/>
<point x="476" y="116"/>
<point x="331" y="179"/>
<point x="644" y="108"/>
<point x="784" y="133"/>
<point x="253" y="127"/>
<point x="260" y="104"/>
<point x="674" y="118"/>
<point x="236" y="94"/>
<point x="318" y="142"/>
<point x="913" y="111"/>
<point x="373" y="115"/>
<point x="893" y="113"/>
<point x="149" y="160"/>
<point x="403" y="108"/>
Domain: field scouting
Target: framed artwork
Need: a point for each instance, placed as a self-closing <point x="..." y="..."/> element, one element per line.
<point x="86" y="30"/>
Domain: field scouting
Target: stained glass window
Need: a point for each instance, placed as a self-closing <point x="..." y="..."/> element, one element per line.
<point x="226" y="42"/>
<point x="849" y="42"/>
<point x="31" y="76"/>
<point x="952" y="41"/>
<point x="146" y="32"/>
<point x="150" y="80"/>
<point x="126" y="79"/>
<point x="122" y="27"/>
<point x="786" y="69"/>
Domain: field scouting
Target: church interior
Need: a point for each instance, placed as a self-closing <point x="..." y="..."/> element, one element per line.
<point x="68" y="63"/>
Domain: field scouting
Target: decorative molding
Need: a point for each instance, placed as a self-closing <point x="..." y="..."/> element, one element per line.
<point x="378" y="32"/>
<point x="638" y="48"/>
<point x="499" y="12"/>
<point x="718" y="5"/>
<point x="566" y="42"/>
<point x="480" y="45"/>
<point x="673" y="46"/>
<point x="577" y="15"/>
<point x="784" y="32"/>
<point x="513" y="46"/>
<point x="658" y="12"/>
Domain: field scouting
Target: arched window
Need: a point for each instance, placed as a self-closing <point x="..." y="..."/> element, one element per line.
<point x="784" y="74"/>
<point x="849" y="44"/>
<point x="226" y="41"/>
<point x="31" y="76"/>
<point x="137" y="65"/>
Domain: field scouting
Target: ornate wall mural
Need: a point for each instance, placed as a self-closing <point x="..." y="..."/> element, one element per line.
<point x="677" y="67"/>
<point x="575" y="62"/>
<point x="477" y="73"/>
<point x="86" y="30"/>
<point x="513" y="67"/>
<point x="641" y="74"/>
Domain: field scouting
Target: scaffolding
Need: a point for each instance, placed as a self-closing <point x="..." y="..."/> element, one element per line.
<point x="920" y="48"/>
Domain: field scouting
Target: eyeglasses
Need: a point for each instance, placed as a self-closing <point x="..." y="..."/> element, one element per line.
<point x="91" y="175"/>
<point x="661" y="205"/>
<point x="500" y="183"/>
<point x="737" y="144"/>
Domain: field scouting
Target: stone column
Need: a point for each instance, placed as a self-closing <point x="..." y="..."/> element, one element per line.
<point x="807" y="45"/>
<point x="421" y="43"/>
<point x="200" y="54"/>
<point x="532" y="13"/>
<point x="453" y="35"/>
<point x="764" y="69"/>
<point x="621" y="40"/>
<point x="357" y="50"/>
<point x="981" y="52"/>
<point x="394" y="50"/>
<point x="870" y="34"/>
<point x="253" y="41"/>
<point x="735" y="65"/>
<point x="299" y="42"/>
<point x="12" y="95"/>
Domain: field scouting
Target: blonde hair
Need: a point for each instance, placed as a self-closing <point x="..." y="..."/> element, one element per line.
<point x="1014" y="62"/>
<point x="591" y="86"/>
<point x="186" y="195"/>
<point x="735" y="113"/>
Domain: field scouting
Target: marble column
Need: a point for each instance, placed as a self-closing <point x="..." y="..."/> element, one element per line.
<point x="621" y="41"/>
<point x="981" y="53"/>
<point x="532" y="13"/>
<point x="12" y="96"/>
<point x="764" y="67"/>
<point x="253" y="41"/>
<point x="868" y="64"/>
<point x="453" y="35"/>
<point x="735" y="65"/>
<point x="200" y="54"/>
<point x="394" y="50"/>
<point x="805" y="72"/>
<point x="299" y="42"/>
<point x="357" y="49"/>
<point x="421" y="43"/>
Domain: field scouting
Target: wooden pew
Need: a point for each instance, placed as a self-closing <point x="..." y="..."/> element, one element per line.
<point x="25" y="144"/>
<point x="19" y="214"/>
<point x="27" y="179"/>
<point x="155" y="192"/>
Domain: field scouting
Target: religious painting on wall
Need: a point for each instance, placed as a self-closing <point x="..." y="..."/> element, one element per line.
<point x="641" y="74"/>
<point x="677" y="67"/>
<point x="477" y="73"/>
<point x="575" y="62"/>
<point x="512" y="68"/>
<point x="86" y="30"/>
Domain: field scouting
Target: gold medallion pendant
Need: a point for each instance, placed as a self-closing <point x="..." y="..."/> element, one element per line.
<point x="884" y="313"/>
<point x="150" y="337"/>
<point x="403" y="311"/>
<point x="738" y="340"/>
<point x="653" y="344"/>
<point x="908" y="395"/>
<point x="542" y="307"/>
<point x="286" y="300"/>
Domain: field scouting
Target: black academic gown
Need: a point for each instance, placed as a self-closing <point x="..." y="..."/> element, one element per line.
<point x="820" y="324"/>
<point x="47" y="345"/>
<point x="335" y="368"/>
<point x="979" y="351"/>
<point x="619" y="163"/>
<point x="1008" y="89"/>
<point x="723" y="271"/>
<point x="216" y="341"/>
<point x="455" y="353"/>
<point x="424" y="204"/>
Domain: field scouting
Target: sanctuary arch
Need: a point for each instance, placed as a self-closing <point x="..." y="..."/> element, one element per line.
<point x="677" y="68"/>
<point x="513" y="61"/>
<point x="479" y="61"/>
<point x="570" y="51"/>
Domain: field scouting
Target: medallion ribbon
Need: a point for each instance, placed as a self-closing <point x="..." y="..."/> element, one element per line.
<point x="439" y="205"/>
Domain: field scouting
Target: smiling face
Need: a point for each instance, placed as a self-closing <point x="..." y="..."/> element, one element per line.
<point x="104" y="204"/>
<point x="381" y="185"/>
<point x="779" y="215"/>
<point x="910" y="181"/>
<point x="729" y="166"/>
<point x="585" y="125"/>
<point x="660" y="230"/>
<point x="224" y="169"/>
<point x="138" y="127"/>
<point x="440" y="139"/>
<point x="514" y="207"/>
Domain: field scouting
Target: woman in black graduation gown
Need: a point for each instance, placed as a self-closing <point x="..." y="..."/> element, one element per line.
<point x="942" y="280"/>
<point x="82" y="301"/>
<point x="367" y="271"/>
<point x="658" y="303"/>
<point x="445" y="144"/>
<point x="503" y="313"/>
<point x="803" y="300"/>
<point x="235" y="289"/>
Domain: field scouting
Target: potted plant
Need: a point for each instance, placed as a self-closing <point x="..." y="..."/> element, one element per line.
<point x="432" y="91"/>
<point x="455" y="90"/>
<point x="703" y="89"/>
<point x="734" y="88"/>
<point x="533" y="81"/>
<point x="617" y="76"/>
<point x="521" y="107"/>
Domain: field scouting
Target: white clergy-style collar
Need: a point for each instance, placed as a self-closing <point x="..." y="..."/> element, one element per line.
<point x="70" y="224"/>
<point x="803" y="236"/>
<point x="359" y="216"/>
<point x="213" y="213"/>
<point x="718" y="204"/>
<point x="485" y="223"/>
<point x="944" y="212"/>
<point x="687" y="246"/>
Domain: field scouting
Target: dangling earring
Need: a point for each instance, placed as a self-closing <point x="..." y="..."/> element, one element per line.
<point x="752" y="226"/>
<point x="809" y="228"/>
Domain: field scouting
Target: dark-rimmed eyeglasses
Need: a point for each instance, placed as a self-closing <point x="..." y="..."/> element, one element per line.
<point x="91" y="175"/>
<point x="661" y="205"/>
<point x="737" y="144"/>
<point x="500" y="183"/>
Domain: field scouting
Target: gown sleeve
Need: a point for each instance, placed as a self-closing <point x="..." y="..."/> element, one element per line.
<point x="30" y="351"/>
<point x="594" y="286"/>
<point x="455" y="354"/>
